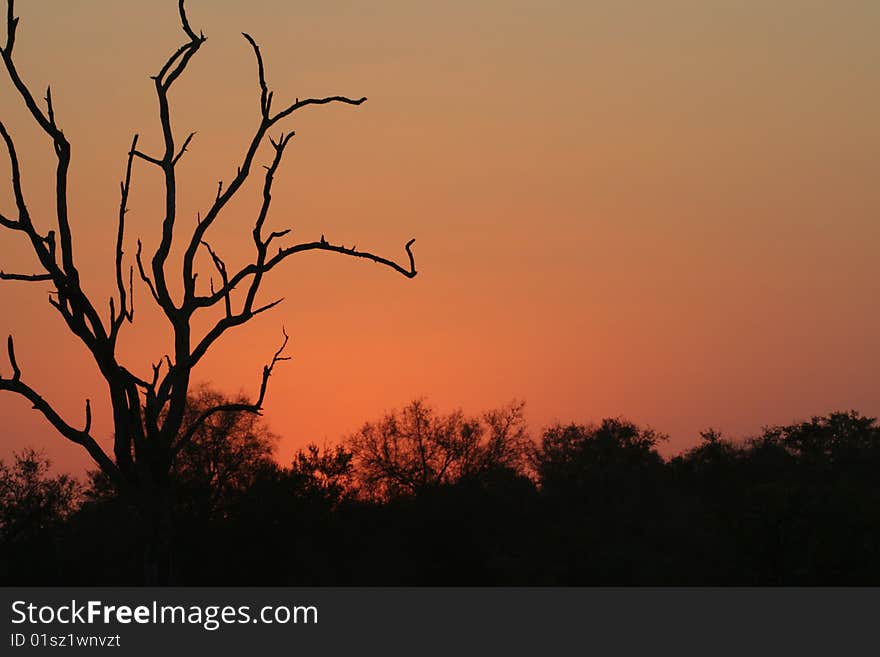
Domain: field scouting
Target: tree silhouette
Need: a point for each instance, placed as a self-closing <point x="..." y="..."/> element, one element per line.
<point x="30" y="498"/>
<point x="225" y="455"/>
<point x="149" y="411"/>
<point x="602" y="507"/>
<point x="417" y="449"/>
<point x="33" y="503"/>
<point x="573" y="459"/>
<point x="324" y="474"/>
<point x="602" y="491"/>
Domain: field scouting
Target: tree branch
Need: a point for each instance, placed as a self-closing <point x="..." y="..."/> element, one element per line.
<point x="23" y="214"/>
<point x="66" y="277"/>
<point x="125" y="188"/>
<point x="173" y="68"/>
<point x="11" y="25"/>
<point x="299" y="104"/>
<point x="10" y="350"/>
<point x="24" y="277"/>
<point x="185" y="22"/>
<point x="244" y="169"/>
<point x="183" y="148"/>
<point x="322" y="245"/>
<point x="59" y="141"/>
<point x="143" y="273"/>
<point x="147" y="158"/>
<point x="265" y="97"/>
<point x="239" y="407"/>
<point x="221" y="268"/>
<point x="80" y="437"/>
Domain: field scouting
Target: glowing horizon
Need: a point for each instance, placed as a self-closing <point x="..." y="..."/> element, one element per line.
<point x="621" y="209"/>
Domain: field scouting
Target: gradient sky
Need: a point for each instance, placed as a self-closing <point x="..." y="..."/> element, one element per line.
<point x="667" y="211"/>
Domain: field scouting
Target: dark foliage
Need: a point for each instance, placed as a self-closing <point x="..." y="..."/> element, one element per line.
<point x="411" y="452"/>
<point x="424" y="498"/>
<point x="34" y="506"/>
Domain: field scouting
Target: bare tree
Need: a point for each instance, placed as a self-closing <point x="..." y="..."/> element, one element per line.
<point x="149" y="410"/>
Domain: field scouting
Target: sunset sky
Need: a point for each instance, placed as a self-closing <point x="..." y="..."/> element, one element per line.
<point x="667" y="211"/>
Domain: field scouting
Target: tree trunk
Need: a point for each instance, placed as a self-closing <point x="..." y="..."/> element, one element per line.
<point x="159" y="542"/>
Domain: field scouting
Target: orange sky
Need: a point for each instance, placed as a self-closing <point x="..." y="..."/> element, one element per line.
<point x="662" y="210"/>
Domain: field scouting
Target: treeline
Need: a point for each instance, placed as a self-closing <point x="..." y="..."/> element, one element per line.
<point x="420" y="497"/>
